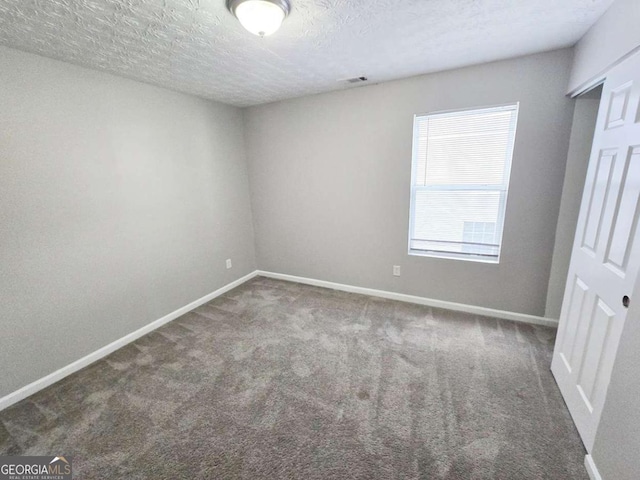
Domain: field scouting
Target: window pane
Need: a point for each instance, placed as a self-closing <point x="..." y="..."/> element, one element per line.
<point x="464" y="149"/>
<point x="460" y="178"/>
<point x="467" y="160"/>
<point x="446" y="216"/>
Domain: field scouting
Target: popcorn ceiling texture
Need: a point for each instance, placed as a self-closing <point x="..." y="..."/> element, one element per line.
<point x="198" y="47"/>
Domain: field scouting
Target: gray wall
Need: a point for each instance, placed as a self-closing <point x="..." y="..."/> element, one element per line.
<point x="119" y="204"/>
<point x="582" y="130"/>
<point x="614" y="35"/>
<point x="330" y="179"/>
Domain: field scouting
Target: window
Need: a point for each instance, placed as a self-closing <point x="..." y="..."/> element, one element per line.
<point x="460" y="178"/>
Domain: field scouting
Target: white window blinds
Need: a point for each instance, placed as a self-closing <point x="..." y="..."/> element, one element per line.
<point x="460" y="178"/>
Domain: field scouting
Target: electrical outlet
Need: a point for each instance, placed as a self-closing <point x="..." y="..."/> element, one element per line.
<point x="396" y="270"/>
<point x="228" y="263"/>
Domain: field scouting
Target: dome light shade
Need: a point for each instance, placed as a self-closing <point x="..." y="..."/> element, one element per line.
<point x="260" y="17"/>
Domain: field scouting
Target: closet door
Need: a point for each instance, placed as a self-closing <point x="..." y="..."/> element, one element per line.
<point x="605" y="260"/>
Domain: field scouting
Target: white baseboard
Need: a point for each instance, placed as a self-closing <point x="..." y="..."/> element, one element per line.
<point x="461" y="307"/>
<point x="58" y="375"/>
<point x="592" y="470"/>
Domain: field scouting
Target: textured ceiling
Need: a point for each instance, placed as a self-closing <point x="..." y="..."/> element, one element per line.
<point x="198" y="47"/>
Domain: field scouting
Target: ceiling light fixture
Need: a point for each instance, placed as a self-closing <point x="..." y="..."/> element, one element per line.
<point x="260" y="17"/>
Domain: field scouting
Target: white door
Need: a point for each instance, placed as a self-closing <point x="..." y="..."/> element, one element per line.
<point x="605" y="260"/>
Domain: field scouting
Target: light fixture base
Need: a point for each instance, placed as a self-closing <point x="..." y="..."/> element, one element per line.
<point x="260" y="17"/>
<point x="285" y="5"/>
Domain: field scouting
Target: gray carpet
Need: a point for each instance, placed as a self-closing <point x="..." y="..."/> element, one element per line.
<point x="276" y="380"/>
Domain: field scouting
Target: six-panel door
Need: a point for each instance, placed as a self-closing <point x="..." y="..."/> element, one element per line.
<point x="605" y="259"/>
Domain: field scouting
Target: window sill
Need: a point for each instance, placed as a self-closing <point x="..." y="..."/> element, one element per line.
<point x="455" y="256"/>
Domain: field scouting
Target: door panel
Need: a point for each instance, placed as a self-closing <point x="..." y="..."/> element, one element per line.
<point x="606" y="254"/>
<point x="626" y="216"/>
<point x="599" y="193"/>
<point x="601" y="322"/>
<point x="618" y="106"/>
<point x="578" y="299"/>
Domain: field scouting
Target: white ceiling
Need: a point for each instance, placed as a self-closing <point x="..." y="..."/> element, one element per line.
<point x="198" y="47"/>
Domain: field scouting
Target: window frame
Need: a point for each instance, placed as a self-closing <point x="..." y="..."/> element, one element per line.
<point x="502" y="188"/>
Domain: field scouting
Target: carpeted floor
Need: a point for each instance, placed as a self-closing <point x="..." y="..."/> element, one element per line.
<point x="276" y="380"/>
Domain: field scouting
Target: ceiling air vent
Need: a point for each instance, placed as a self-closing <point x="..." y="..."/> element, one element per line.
<point x="354" y="80"/>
